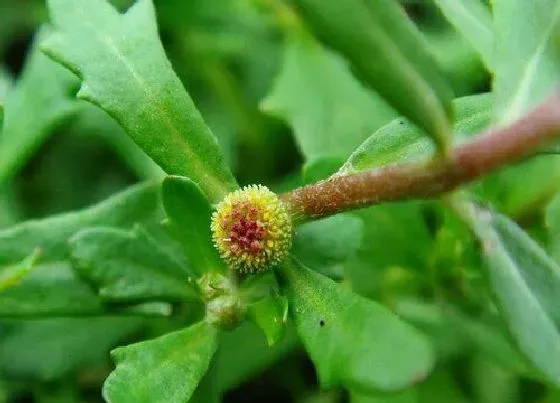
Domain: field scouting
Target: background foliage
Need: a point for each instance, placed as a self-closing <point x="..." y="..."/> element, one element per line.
<point x="290" y="99"/>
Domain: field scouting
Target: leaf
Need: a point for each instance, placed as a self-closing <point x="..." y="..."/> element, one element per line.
<point x="129" y="266"/>
<point x="271" y="315"/>
<point x="407" y="396"/>
<point x="401" y="141"/>
<point x="189" y="214"/>
<point x="139" y="204"/>
<point x="13" y="274"/>
<point x="353" y="342"/>
<point x="51" y="348"/>
<point x="325" y="245"/>
<point x="41" y="99"/>
<point x="166" y="369"/>
<point x="527" y="62"/>
<point x="5" y="84"/>
<point x="49" y="290"/>
<point x="474" y="21"/>
<point x="389" y="53"/>
<point x="330" y="112"/>
<point x="524" y="281"/>
<point x="124" y="70"/>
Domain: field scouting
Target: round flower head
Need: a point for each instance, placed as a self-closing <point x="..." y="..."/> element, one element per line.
<point x="252" y="229"/>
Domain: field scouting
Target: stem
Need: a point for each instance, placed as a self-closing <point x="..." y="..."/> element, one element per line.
<point x="489" y="151"/>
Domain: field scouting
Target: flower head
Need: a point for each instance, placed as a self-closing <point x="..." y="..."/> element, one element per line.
<point x="252" y="229"/>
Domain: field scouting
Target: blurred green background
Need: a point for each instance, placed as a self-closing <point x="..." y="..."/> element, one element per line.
<point x="228" y="54"/>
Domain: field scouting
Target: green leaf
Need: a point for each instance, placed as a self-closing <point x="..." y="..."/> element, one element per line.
<point x="389" y="53"/>
<point x="330" y="112"/>
<point x="189" y="214"/>
<point x="271" y="315"/>
<point x="325" y="245"/>
<point x="407" y="396"/>
<point x="525" y="282"/>
<point x="49" y="290"/>
<point x="41" y="99"/>
<point x="353" y="342"/>
<point x="401" y="141"/>
<point x="166" y="369"/>
<point x="139" y="204"/>
<point x="129" y="266"/>
<point x="474" y="21"/>
<point x="48" y="349"/>
<point x="125" y="71"/>
<point x="527" y="63"/>
<point x="13" y="274"/>
<point x="5" y="84"/>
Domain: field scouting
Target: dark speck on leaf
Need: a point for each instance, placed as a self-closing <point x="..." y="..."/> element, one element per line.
<point x="321" y="323"/>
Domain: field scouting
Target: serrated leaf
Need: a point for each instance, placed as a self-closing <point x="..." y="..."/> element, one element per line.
<point x="189" y="214"/>
<point x="474" y="21"/>
<point x="524" y="281"/>
<point x="125" y="71"/>
<point x="41" y="99"/>
<point x="166" y="369"/>
<point x="139" y="204"/>
<point x="401" y="141"/>
<point x="129" y="266"/>
<point x="48" y="349"/>
<point x="353" y="342"/>
<point x="271" y="315"/>
<point x="527" y="62"/>
<point x="387" y="50"/>
<point x="329" y="111"/>
<point x="325" y="245"/>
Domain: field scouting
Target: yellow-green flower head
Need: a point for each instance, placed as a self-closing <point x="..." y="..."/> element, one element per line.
<point x="252" y="229"/>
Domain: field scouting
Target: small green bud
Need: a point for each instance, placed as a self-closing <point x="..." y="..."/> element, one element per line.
<point x="225" y="311"/>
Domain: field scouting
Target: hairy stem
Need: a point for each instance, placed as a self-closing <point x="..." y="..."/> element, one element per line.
<point x="487" y="152"/>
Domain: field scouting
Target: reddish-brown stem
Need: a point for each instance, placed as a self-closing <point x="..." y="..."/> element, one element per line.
<point x="487" y="152"/>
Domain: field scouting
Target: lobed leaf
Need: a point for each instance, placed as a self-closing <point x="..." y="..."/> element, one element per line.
<point x="353" y="342"/>
<point x="189" y="214"/>
<point x="41" y="99"/>
<point x="330" y="112"/>
<point x="129" y="266"/>
<point x="139" y="204"/>
<point x="474" y="21"/>
<point x="124" y="70"/>
<point x="166" y="369"/>
<point x="527" y="63"/>
<point x="525" y="282"/>
<point x="390" y="55"/>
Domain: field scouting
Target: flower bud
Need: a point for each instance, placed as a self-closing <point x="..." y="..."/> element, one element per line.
<point x="252" y="229"/>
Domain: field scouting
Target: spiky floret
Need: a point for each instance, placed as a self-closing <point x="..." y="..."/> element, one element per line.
<point x="252" y="229"/>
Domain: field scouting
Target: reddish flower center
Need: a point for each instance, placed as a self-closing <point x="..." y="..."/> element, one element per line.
<point x="247" y="233"/>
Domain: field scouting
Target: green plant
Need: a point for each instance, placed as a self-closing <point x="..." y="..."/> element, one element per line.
<point x="391" y="255"/>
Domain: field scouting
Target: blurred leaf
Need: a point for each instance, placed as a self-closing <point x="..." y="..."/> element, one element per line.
<point x="129" y="266"/>
<point x="441" y="387"/>
<point x="244" y="354"/>
<point x="271" y="315"/>
<point x="51" y="348"/>
<point x="389" y="53"/>
<point x="189" y="214"/>
<point x="474" y="21"/>
<point x="353" y="342"/>
<point x="166" y="369"/>
<point x="319" y="169"/>
<point x="330" y="112"/>
<point x="139" y="204"/>
<point x="41" y="99"/>
<point x="527" y="62"/>
<point x="325" y="245"/>
<point x="491" y="383"/>
<point x="524" y="281"/>
<point x="49" y="290"/>
<point x="5" y="84"/>
<point x="401" y="141"/>
<point x="407" y="396"/>
<point x="11" y="275"/>
<point x="125" y="72"/>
